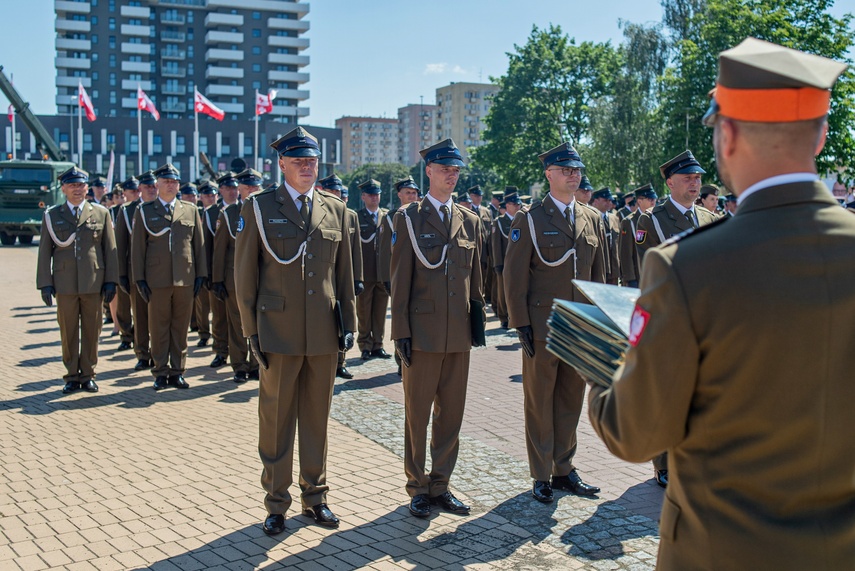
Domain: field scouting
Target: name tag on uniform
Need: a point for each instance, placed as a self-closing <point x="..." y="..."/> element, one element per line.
<point x="154" y="218"/>
<point x="550" y="233"/>
<point x="427" y="235"/>
<point x="60" y="222"/>
<point x="277" y="221"/>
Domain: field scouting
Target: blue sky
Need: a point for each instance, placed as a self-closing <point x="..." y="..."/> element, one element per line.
<point x="369" y="57"/>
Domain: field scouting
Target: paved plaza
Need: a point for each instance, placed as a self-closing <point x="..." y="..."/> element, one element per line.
<point x="128" y="478"/>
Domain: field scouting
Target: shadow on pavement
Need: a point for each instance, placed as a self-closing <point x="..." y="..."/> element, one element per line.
<point x="601" y="535"/>
<point x="369" y="383"/>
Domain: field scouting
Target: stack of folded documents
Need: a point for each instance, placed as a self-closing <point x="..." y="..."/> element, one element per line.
<point x="593" y="338"/>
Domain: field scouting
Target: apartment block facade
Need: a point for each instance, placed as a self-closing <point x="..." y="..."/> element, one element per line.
<point x="462" y="108"/>
<point x="227" y="49"/>
<point x="416" y="131"/>
<point x="367" y="140"/>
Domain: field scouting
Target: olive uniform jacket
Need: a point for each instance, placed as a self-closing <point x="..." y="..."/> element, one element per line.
<point x="168" y="251"/>
<point x="124" y="227"/>
<point x="483" y="213"/>
<point x="223" y="256"/>
<point x="612" y="230"/>
<point x="288" y="277"/>
<point x="501" y="229"/>
<point x="530" y="283"/>
<point x="210" y="216"/>
<point x="754" y="401"/>
<point x="630" y="269"/>
<point x="431" y="306"/>
<point x="384" y="248"/>
<point x="77" y="257"/>
<point x="368" y="233"/>
<point x="664" y="222"/>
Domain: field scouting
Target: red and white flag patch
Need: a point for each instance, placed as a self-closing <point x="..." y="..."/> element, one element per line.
<point x="640" y="235"/>
<point x="637" y="325"/>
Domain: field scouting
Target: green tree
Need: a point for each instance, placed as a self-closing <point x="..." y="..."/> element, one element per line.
<point x="550" y="82"/>
<point x="386" y="174"/>
<point x="806" y="25"/>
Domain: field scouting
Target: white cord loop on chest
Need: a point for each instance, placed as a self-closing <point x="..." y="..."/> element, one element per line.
<point x="559" y="261"/>
<point x="301" y="251"/>
<point x="658" y="227"/>
<point x="418" y="251"/>
<point x="59" y="243"/>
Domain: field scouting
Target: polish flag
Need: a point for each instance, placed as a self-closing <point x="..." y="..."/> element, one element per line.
<point x="85" y="102"/>
<point x="203" y="105"/>
<point x="144" y="103"/>
<point x="264" y="103"/>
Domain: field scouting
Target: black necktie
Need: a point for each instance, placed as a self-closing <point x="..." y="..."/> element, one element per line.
<point x="76" y="213"/>
<point x="446" y="218"/>
<point x="569" y="219"/>
<point x="304" y="210"/>
<point x="691" y="218"/>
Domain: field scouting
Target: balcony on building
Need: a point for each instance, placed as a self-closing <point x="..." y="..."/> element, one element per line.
<point x="73" y="45"/>
<point x="288" y="59"/>
<point x="71" y="81"/>
<point x="214" y="19"/>
<point x="134" y="30"/>
<point x="63" y="25"/>
<point x="231" y="107"/>
<point x="298" y="8"/>
<point x="167" y="89"/>
<point x="215" y="54"/>
<point x="130" y="103"/>
<point x="287" y="42"/>
<point x="170" y="107"/>
<point x="136" y="66"/>
<point x="173" y="71"/>
<point x="287" y="24"/>
<point x="292" y="76"/>
<point x="173" y="54"/>
<point x="136" y="49"/>
<point x="132" y="84"/>
<point x="215" y="72"/>
<point x="73" y="62"/>
<point x="289" y="111"/>
<point x="73" y="7"/>
<point x="172" y="36"/>
<point x="300" y="94"/>
<point x="224" y="90"/>
<point x="171" y="19"/>
<point x="217" y="37"/>
<point x="135" y="12"/>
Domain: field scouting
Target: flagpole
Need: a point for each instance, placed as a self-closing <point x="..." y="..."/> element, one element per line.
<point x="195" y="137"/>
<point x="14" y="142"/>
<point x="255" y="162"/>
<point x="139" y="132"/>
<point x="79" y="126"/>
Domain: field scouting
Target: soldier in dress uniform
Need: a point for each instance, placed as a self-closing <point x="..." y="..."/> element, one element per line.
<point x="77" y="264"/>
<point x="436" y="293"/>
<point x="630" y="264"/>
<point x="511" y="203"/>
<point x="124" y="318"/>
<point x="604" y="201"/>
<point x="729" y="205"/>
<point x="756" y="318"/>
<point x="495" y="202"/>
<point x="372" y="303"/>
<point x="584" y="192"/>
<point x="169" y="266"/>
<point x="477" y="194"/>
<point x="628" y="205"/>
<point x="294" y="286"/>
<point x="244" y="365"/>
<point x="332" y="184"/>
<point x="556" y="241"/>
<point x="219" y="321"/>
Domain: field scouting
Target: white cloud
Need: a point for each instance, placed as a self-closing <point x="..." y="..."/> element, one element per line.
<point x="433" y="68"/>
<point x="458" y="70"/>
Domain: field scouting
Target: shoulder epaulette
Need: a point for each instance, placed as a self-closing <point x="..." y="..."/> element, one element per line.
<point x="692" y="232"/>
<point x="326" y="194"/>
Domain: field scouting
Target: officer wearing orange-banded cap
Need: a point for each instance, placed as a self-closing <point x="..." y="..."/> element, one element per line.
<point x="754" y="318"/>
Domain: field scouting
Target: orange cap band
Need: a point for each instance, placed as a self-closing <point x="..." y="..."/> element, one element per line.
<point x="773" y="105"/>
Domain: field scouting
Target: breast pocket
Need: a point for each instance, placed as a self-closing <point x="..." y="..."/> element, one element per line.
<point x="553" y="246"/>
<point x="331" y="239"/>
<point x="464" y="252"/>
<point x="431" y="248"/>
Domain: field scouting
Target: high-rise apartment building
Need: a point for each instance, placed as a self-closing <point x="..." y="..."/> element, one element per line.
<point x="227" y="49"/>
<point x="462" y="108"/>
<point x="416" y="131"/>
<point x="366" y="140"/>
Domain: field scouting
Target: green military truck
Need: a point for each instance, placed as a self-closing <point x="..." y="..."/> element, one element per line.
<point x="28" y="187"/>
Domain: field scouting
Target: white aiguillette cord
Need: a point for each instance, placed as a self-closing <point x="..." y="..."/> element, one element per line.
<point x="301" y="251"/>
<point x="418" y="250"/>
<point x="59" y="243"/>
<point x="558" y="262"/>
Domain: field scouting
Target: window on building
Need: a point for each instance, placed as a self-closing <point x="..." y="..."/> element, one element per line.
<point x="94" y="38"/>
<point x="111" y="23"/>
<point x="112" y="98"/>
<point x="256" y="15"/>
<point x="180" y="144"/>
<point x="112" y="79"/>
<point x="157" y="147"/>
<point x="257" y="85"/>
<point x="256" y="50"/>
<point x="189" y="16"/>
<point x="256" y="67"/>
<point x="189" y="33"/>
<point x="111" y="5"/>
<point x="203" y="144"/>
<point x="189" y="51"/>
<point x="112" y="60"/>
<point x="94" y="20"/>
<point x="87" y="139"/>
<point x="94" y="76"/>
<point x="256" y="32"/>
<point x="111" y="41"/>
<point x="134" y="146"/>
<point x="94" y="56"/>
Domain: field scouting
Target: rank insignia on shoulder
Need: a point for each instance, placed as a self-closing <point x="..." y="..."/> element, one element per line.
<point x="640" y="236"/>
<point x="515" y="235"/>
<point x="240" y="224"/>
<point x="394" y="237"/>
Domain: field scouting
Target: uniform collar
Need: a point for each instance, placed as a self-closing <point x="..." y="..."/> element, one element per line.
<point x="295" y="194"/>
<point x="775" y="181"/>
<point x="437" y="204"/>
<point x="682" y="208"/>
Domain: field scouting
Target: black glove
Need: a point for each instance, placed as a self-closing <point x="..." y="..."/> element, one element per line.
<point x="197" y="285"/>
<point x="219" y="289"/>
<point x="255" y="347"/>
<point x="145" y="291"/>
<point x="348" y="340"/>
<point x="500" y="269"/>
<point x="526" y="336"/>
<point x="208" y="284"/>
<point x="632" y="283"/>
<point x="404" y="349"/>
<point x="125" y="284"/>
<point x="108" y="290"/>
<point x="47" y="295"/>
<point x="388" y="287"/>
<point x="358" y="287"/>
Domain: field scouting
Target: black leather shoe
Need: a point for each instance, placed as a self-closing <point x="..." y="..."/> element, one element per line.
<point x="574" y="484"/>
<point x="178" y="381"/>
<point x="202" y="343"/>
<point x="420" y="505"/>
<point x="662" y="478"/>
<point x="143" y="364"/>
<point x="322" y="515"/>
<point x="381" y="353"/>
<point x="108" y="320"/>
<point x="366" y="355"/>
<point x="124" y="346"/>
<point x="70" y="387"/>
<point x="274" y="524"/>
<point x="218" y="362"/>
<point x="343" y="372"/>
<point x="504" y="324"/>
<point x="240" y="377"/>
<point x="161" y="383"/>
<point x="542" y="491"/>
<point x="449" y="503"/>
<point x="90" y="386"/>
<point x="253" y="375"/>
<point x="193" y="329"/>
